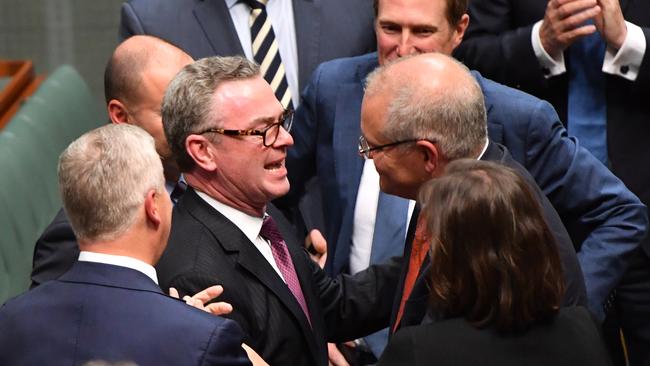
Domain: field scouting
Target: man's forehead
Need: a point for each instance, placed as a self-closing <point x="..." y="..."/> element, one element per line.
<point x="251" y="100"/>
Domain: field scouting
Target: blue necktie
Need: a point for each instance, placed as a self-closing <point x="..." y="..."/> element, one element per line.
<point x="587" y="111"/>
<point x="387" y="241"/>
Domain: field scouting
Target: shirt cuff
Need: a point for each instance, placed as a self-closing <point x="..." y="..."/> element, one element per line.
<point x="627" y="60"/>
<point x="550" y="66"/>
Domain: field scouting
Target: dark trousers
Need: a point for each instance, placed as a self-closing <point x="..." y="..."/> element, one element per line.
<point x="630" y="311"/>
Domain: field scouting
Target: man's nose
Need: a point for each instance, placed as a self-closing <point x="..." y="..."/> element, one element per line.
<point x="405" y="46"/>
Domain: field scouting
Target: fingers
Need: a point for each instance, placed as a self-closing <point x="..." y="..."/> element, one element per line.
<point x="219" y="308"/>
<point x="335" y="356"/>
<point x="255" y="358"/>
<point x="564" y="22"/>
<point x="318" y="241"/>
<point x="209" y="294"/>
<point x="173" y="293"/>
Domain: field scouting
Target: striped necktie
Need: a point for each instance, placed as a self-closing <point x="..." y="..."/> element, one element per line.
<point x="266" y="52"/>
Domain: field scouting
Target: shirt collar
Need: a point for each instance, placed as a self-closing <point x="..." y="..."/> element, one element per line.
<point x="487" y="142"/>
<point x="231" y="3"/>
<point x="122" y="261"/>
<point x="249" y="225"/>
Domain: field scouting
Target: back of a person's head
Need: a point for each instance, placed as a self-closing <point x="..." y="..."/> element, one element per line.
<point x="104" y="177"/>
<point x="494" y="259"/>
<point x="132" y="59"/>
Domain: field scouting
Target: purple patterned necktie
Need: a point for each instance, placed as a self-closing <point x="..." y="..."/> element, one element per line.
<point x="283" y="260"/>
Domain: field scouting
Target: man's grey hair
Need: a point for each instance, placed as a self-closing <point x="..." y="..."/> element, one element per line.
<point x="187" y="105"/>
<point x="104" y="177"/>
<point x="455" y="119"/>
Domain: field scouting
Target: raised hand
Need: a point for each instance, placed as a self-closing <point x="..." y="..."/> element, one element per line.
<point x="564" y="23"/>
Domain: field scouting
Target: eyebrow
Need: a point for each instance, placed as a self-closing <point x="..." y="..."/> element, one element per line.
<point x="433" y="28"/>
<point x="264" y="120"/>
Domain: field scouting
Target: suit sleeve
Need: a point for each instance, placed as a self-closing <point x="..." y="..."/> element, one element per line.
<point x="55" y="251"/>
<point x="500" y="52"/>
<point x="360" y="304"/>
<point x="224" y="347"/>
<point x="595" y="206"/>
<point x="129" y="23"/>
<point x="400" y="350"/>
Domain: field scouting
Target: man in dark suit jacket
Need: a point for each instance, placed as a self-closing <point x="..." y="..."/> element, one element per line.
<point x="109" y="306"/>
<point x="229" y="135"/>
<point x="411" y="130"/>
<point x="605" y="220"/>
<point x="528" y="45"/>
<point x="135" y="80"/>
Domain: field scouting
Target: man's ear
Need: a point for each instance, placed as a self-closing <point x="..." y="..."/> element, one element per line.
<point x="117" y="113"/>
<point x="152" y="208"/>
<point x="430" y="155"/>
<point x="201" y="151"/>
<point x="459" y="30"/>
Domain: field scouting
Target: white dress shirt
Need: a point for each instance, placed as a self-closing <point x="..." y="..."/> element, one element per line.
<point x="628" y="57"/>
<point x="122" y="261"/>
<point x="249" y="225"/>
<point x="280" y="14"/>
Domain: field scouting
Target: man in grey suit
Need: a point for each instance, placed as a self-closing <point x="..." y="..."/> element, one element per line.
<point x="317" y="31"/>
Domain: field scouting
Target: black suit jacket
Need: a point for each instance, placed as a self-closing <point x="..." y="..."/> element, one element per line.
<point x="571" y="339"/>
<point x="205" y="248"/>
<point x="55" y="252"/>
<point x="325" y="29"/>
<point x="415" y="309"/>
<point x="498" y="44"/>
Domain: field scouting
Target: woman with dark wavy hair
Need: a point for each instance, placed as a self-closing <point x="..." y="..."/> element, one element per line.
<point x="496" y="279"/>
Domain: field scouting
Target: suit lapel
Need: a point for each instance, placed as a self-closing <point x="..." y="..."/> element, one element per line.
<point x="249" y="258"/>
<point x="214" y="18"/>
<point x="348" y="164"/>
<point x="307" y="21"/>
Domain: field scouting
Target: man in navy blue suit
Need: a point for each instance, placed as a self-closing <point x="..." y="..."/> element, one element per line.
<point x="109" y="306"/>
<point x="605" y="220"/>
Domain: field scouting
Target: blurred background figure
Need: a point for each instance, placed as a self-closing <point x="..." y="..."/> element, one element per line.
<point x="496" y="288"/>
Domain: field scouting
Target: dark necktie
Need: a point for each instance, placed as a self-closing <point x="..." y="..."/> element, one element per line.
<point x="266" y="52"/>
<point x="418" y="253"/>
<point x="587" y="111"/>
<point x="283" y="260"/>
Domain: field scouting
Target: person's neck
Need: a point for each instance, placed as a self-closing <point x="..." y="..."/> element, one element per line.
<point x="203" y="184"/>
<point x="131" y="244"/>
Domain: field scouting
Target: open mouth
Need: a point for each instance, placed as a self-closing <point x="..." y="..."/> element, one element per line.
<point x="275" y="166"/>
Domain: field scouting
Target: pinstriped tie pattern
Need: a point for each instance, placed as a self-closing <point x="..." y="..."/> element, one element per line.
<point x="266" y="53"/>
<point x="282" y="258"/>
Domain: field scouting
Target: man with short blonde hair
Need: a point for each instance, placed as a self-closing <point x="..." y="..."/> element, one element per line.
<point x="108" y="305"/>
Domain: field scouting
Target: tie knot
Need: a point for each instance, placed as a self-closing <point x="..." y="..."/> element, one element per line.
<point x="270" y="231"/>
<point x="255" y="4"/>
